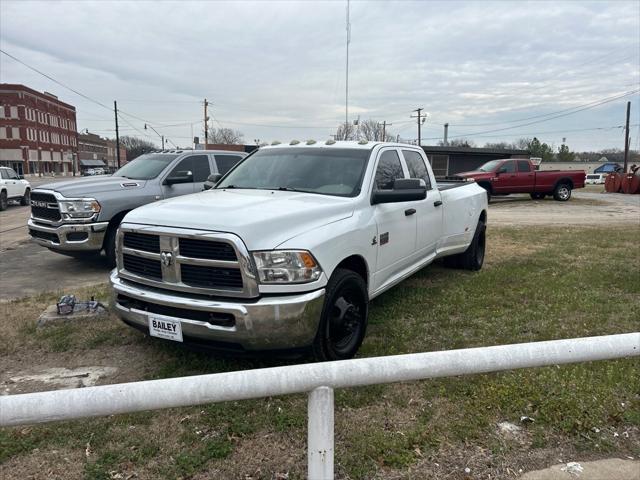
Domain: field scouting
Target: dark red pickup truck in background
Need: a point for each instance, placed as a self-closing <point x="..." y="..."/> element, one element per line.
<point x="502" y="177"/>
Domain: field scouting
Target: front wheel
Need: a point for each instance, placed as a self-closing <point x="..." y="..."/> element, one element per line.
<point x="562" y="193"/>
<point x="344" y="317"/>
<point x="26" y="198"/>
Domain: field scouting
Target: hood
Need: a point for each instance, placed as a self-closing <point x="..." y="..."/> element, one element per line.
<point x="263" y="219"/>
<point x="90" y="186"/>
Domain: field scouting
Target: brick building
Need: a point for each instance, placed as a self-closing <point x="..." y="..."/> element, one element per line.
<point x="92" y="151"/>
<point x="112" y="158"/>
<point x="37" y="131"/>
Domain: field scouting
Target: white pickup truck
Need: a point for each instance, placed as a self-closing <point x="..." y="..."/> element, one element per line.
<point x="289" y="247"/>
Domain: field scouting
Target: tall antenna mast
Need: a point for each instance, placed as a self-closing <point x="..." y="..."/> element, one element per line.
<point x="346" y="94"/>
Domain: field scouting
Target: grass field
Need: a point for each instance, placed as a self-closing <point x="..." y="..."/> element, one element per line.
<point x="537" y="284"/>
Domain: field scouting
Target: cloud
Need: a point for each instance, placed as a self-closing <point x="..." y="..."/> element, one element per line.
<point x="282" y="64"/>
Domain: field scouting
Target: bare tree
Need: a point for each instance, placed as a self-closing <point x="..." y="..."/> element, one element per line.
<point x="136" y="146"/>
<point x="372" y="130"/>
<point x="225" y="136"/>
<point x="346" y="131"/>
<point x="458" y="142"/>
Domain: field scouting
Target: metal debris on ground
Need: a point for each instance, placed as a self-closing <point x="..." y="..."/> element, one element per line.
<point x="69" y="308"/>
<point x="68" y="304"/>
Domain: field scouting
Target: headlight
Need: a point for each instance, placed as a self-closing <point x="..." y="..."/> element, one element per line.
<point x="84" y="208"/>
<point x="286" y="266"/>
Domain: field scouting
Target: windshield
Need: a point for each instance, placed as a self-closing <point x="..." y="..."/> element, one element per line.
<point x="327" y="171"/>
<point x="490" y="166"/>
<point x="146" y="166"/>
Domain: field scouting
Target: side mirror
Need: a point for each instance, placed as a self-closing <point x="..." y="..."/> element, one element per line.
<point x="404" y="190"/>
<point x="212" y="180"/>
<point x="179" y="177"/>
<point x="20" y="177"/>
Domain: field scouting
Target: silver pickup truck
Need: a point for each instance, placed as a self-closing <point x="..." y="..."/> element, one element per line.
<point x="82" y="216"/>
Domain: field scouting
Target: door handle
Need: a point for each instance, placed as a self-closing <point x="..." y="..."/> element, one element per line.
<point x="409" y="211"/>
<point x="437" y="203"/>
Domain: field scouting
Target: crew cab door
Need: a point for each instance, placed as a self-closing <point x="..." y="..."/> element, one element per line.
<point x="429" y="210"/>
<point x="200" y="168"/>
<point x="526" y="177"/>
<point x="396" y="239"/>
<point x="505" y="177"/>
<point x="12" y="182"/>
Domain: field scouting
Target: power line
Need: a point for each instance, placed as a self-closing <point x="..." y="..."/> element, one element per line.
<point x="56" y="81"/>
<point x="506" y="122"/>
<point x="580" y="109"/>
<point x="548" y="132"/>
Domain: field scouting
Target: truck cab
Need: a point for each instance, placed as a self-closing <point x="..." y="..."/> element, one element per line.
<point x="80" y="217"/>
<point x="289" y="247"/>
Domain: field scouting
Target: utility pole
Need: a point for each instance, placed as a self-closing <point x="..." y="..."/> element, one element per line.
<point x="346" y="91"/>
<point x="115" y="109"/>
<point x="420" y="121"/>
<point x="446" y="134"/>
<point x="384" y="130"/>
<point x="626" y="138"/>
<point x="206" y="124"/>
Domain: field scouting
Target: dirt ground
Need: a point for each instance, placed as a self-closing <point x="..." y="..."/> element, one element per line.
<point x="587" y="207"/>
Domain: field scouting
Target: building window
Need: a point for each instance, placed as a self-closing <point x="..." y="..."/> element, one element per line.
<point x="14" y="112"/>
<point x="16" y="133"/>
<point x="1" y="112"/>
<point x="3" y="133"/>
<point x="439" y="165"/>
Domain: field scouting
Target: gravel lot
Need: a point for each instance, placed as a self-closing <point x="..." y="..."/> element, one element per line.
<point x="27" y="269"/>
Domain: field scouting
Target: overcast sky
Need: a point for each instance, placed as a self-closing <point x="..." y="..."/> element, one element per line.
<point x="264" y="66"/>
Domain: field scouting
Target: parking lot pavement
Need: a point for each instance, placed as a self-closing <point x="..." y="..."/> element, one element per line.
<point x="27" y="268"/>
<point x="30" y="269"/>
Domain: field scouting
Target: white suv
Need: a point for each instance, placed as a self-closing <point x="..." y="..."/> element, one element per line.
<point x="13" y="187"/>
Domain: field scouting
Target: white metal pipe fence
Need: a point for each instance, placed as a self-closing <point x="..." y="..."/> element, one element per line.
<point x="318" y="379"/>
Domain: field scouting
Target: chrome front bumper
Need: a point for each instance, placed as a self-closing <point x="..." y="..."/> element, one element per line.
<point x="268" y="323"/>
<point x="88" y="236"/>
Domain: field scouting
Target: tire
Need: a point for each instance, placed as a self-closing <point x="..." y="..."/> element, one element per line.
<point x="26" y="198"/>
<point x="109" y="245"/>
<point x="4" y="200"/>
<point x="562" y="192"/>
<point x="538" y="196"/>
<point x="473" y="257"/>
<point x="344" y="317"/>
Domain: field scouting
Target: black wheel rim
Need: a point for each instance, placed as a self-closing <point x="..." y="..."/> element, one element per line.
<point x="346" y="319"/>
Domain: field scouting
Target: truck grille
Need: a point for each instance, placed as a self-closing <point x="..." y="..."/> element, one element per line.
<point x="44" y="205"/>
<point x="144" y="267"/>
<point x="211" y="277"/>
<point x="190" y="247"/>
<point x="142" y="241"/>
<point x="186" y="260"/>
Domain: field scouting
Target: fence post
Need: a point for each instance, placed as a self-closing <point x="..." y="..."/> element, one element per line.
<point x="320" y="442"/>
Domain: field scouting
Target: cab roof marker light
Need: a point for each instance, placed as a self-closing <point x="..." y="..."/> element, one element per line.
<point x="275" y="142"/>
<point x="294" y="142"/>
<point x="363" y="142"/>
<point x="311" y="142"/>
<point x="330" y="142"/>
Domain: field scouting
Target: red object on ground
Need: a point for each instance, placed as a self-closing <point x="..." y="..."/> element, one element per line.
<point x="612" y="183"/>
<point x="630" y="183"/>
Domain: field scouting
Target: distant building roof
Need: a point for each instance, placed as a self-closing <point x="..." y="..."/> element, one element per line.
<point x="476" y="150"/>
